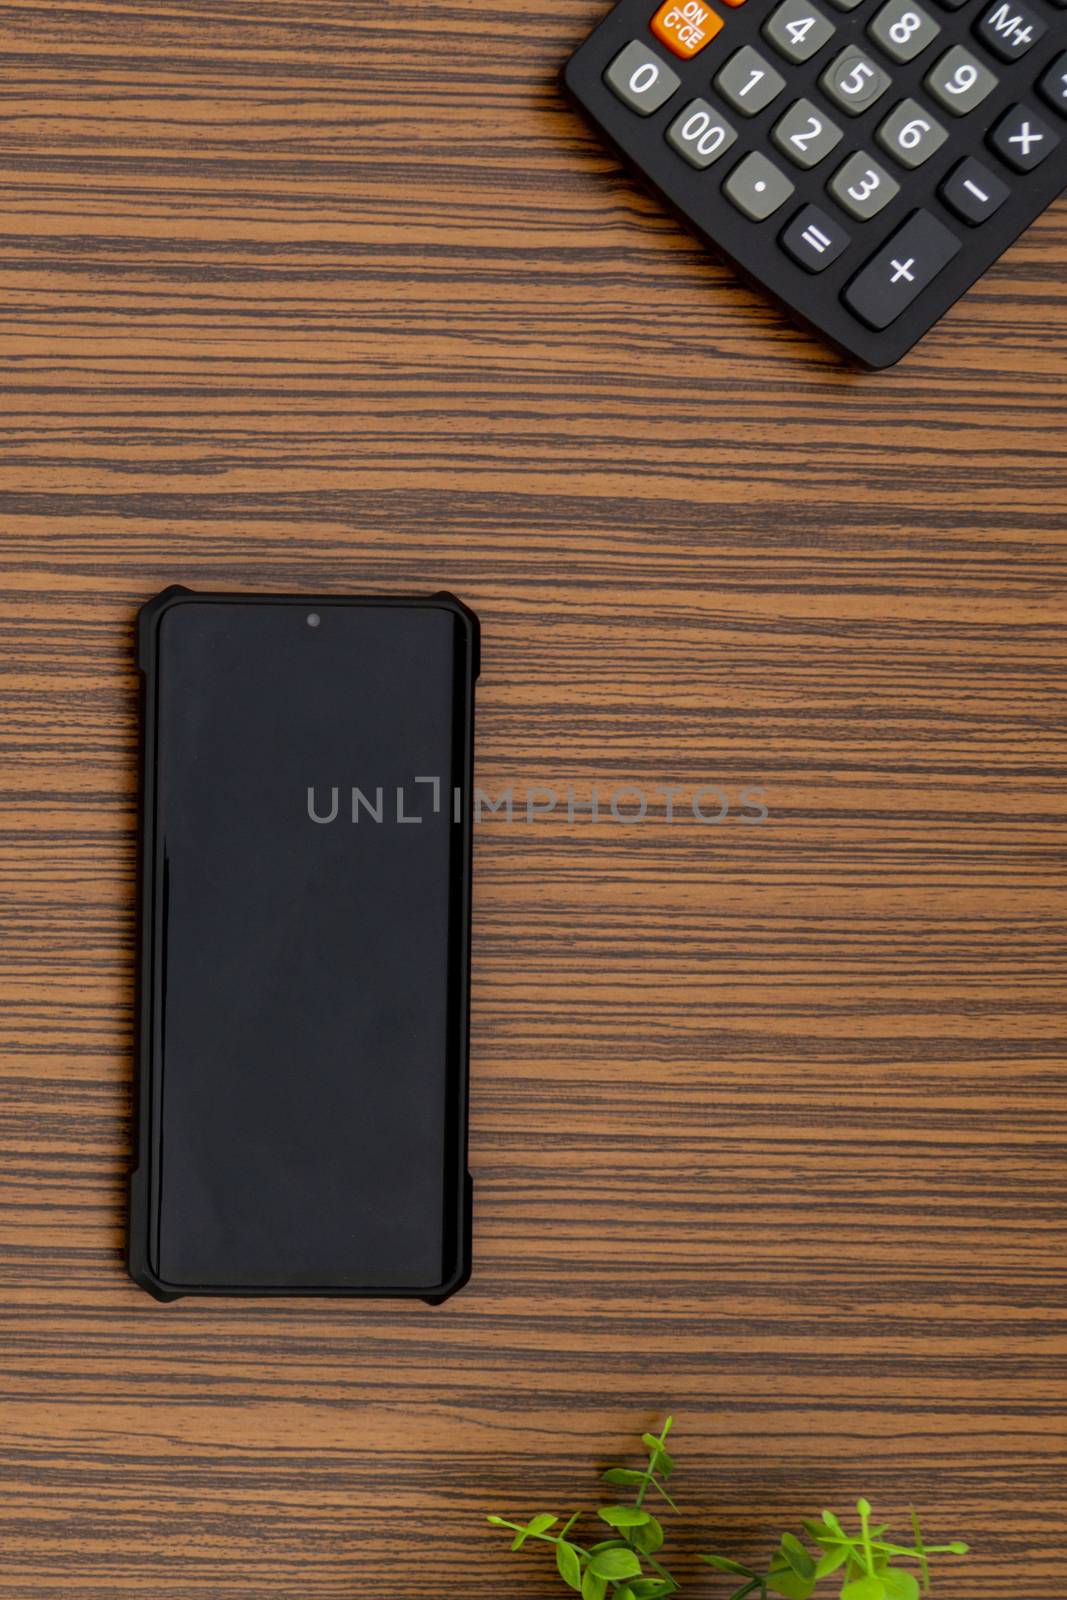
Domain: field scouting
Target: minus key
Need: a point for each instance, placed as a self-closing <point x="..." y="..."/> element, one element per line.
<point x="973" y="192"/>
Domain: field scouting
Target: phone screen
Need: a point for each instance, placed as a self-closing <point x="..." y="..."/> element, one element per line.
<point x="308" y="1052"/>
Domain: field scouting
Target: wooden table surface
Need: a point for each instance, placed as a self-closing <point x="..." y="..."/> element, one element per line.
<point x="768" y="1121"/>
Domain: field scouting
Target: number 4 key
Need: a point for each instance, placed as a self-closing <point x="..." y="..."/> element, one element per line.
<point x="797" y="30"/>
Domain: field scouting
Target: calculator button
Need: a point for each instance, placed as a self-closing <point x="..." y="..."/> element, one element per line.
<point x="700" y="134"/>
<point x="973" y="192"/>
<point x="749" y="82"/>
<point x="640" y="79"/>
<point x="951" y="5"/>
<point x="1009" y="29"/>
<point x="685" y="26"/>
<point x="1023" y="139"/>
<point x="846" y="5"/>
<point x="959" y="81"/>
<point x="900" y="270"/>
<point x="903" y="30"/>
<point x="853" y="81"/>
<point x="757" y="187"/>
<point x="1054" y="84"/>
<point x="797" y="30"/>
<point x="813" y="239"/>
<point x="910" y="134"/>
<point x="862" y="187"/>
<point x="805" y="134"/>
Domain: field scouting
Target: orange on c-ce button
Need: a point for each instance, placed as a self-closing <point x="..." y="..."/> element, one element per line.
<point x="686" y="26"/>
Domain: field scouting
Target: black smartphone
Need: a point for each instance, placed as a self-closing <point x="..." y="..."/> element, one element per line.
<point x="301" y="1123"/>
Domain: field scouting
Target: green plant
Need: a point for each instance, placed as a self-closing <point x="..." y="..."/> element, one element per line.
<point x="866" y="1564"/>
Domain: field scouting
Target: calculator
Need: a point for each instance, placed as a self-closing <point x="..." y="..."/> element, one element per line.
<point x="861" y="161"/>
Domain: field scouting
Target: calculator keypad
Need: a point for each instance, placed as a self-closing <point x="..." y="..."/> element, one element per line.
<point x="911" y="135"/>
<point x="877" y="134"/>
<point x="757" y="187"/>
<point x="797" y="30"/>
<point x="1054" y="85"/>
<point x="806" y="134"/>
<point x="903" y="30"/>
<point x="700" y="134"/>
<point x="814" y="240"/>
<point x="1009" y="29"/>
<point x="973" y="192"/>
<point x="1023" y="139"/>
<point x="901" y="269"/>
<point x="960" y="82"/>
<point x="853" y="81"/>
<point x="748" y="82"/>
<point x="640" y="79"/>
<point x="862" y="186"/>
<point x="686" y="26"/>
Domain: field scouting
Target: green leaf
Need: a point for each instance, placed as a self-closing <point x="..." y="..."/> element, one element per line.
<point x="624" y="1516"/>
<point x="833" y="1524"/>
<point x="538" y="1524"/>
<point x="864" y="1589"/>
<point x="798" y="1558"/>
<point x="655" y="1484"/>
<point x="660" y="1458"/>
<point x="831" y="1560"/>
<point x="724" y="1564"/>
<point x="784" y="1581"/>
<point x="617" y="1563"/>
<point x="648" y="1537"/>
<point x="593" y="1588"/>
<point x="649" y="1588"/>
<point x="624" y="1594"/>
<point x="622" y="1475"/>
<point x="570" y="1567"/>
<point x="900" y="1585"/>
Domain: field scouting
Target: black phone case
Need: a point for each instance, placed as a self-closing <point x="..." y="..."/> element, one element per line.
<point x="141" y="1209"/>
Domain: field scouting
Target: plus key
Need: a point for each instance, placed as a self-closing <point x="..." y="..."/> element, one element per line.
<point x="900" y="270"/>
